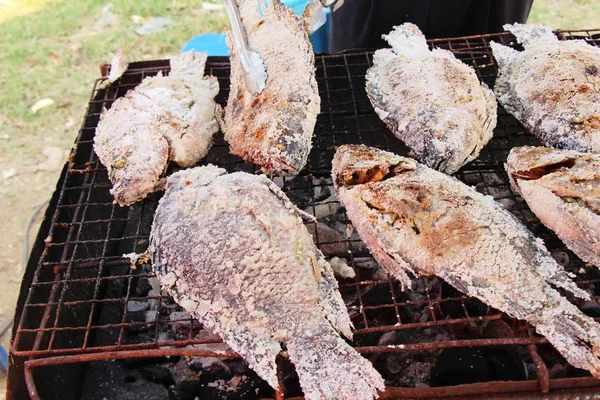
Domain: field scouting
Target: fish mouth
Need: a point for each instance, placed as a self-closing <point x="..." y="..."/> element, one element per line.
<point x="358" y="164"/>
<point x="359" y="177"/>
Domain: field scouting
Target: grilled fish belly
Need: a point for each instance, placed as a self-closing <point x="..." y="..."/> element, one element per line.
<point x="552" y="87"/>
<point x="416" y="219"/>
<point x="562" y="187"/>
<point x="430" y="100"/>
<point x="273" y="128"/>
<point x="164" y="119"/>
<point x="233" y="251"/>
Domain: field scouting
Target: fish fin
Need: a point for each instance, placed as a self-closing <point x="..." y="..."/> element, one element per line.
<point x="504" y="55"/>
<point x="329" y="368"/>
<point x="188" y="63"/>
<point x="530" y="33"/>
<point x="257" y="350"/>
<point x="406" y="38"/>
<point x="393" y="264"/>
<point x="288" y="204"/>
<point x="575" y="335"/>
<point x="331" y="301"/>
<point x="314" y="17"/>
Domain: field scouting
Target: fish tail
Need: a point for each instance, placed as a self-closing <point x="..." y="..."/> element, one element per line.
<point x="188" y="63"/>
<point x="575" y="335"/>
<point x="529" y="33"/>
<point x="329" y="368"/>
<point x="406" y="38"/>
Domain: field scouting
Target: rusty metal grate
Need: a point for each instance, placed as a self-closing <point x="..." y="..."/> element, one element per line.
<point x="83" y="303"/>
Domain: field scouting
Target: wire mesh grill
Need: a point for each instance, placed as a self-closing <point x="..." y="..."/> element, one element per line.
<point x="86" y="297"/>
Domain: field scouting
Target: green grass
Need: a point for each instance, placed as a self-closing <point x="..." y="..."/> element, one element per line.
<point x="55" y="52"/>
<point x="566" y="14"/>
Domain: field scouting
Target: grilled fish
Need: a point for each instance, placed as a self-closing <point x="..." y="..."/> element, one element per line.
<point x="233" y="251"/>
<point x="164" y="119"/>
<point x="552" y="87"/>
<point x="415" y="219"/>
<point x="561" y="187"/>
<point x="430" y="100"/>
<point x="273" y="128"/>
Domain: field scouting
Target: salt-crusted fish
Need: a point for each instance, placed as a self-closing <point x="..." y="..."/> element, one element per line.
<point x="552" y="87"/>
<point x="273" y="128"/>
<point x="415" y="219"/>
<point x="232" y="251"/>
<point x="561" y="187"/>
<point x="164" y="119"/>
<point x="430" y="100"/>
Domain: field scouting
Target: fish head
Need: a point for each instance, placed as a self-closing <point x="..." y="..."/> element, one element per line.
<point x="282" y="142"/>
<point x="359" y="164"/>
<point x="532" y="163"/>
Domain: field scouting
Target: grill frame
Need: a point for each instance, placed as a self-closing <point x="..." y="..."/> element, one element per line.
<point x="71" y="282"/>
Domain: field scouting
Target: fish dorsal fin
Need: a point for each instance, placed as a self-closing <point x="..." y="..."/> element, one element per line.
<point x="504" y="55"/>
<point x="530" y="33"/>
<point x="406" y="38"/>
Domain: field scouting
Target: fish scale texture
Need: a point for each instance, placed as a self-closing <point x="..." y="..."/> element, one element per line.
<point x="419" y="219"/>
<point x="561" y="187"/>
<point x="430" y="100"/>
<point x="233" y="251"/>
<point x="273" y="128"/>
<point x="164" y="119"/>
<point x="552" y="87"/>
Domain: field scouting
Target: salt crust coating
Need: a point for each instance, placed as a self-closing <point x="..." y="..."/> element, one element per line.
<point x="561" y="187"/>
<point x="552" y="87"/>
<point x="164" y="119"/>
<point x="430" y="100"/>
<point x="419" y="220"/>
<point x="232" y="251"/>
<point x="273" y="128"/>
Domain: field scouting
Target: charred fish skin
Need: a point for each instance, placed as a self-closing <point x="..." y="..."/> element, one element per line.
<point x="561" y="187"/>
<point x="273" y="128"/>
<point x="164" y="119"/>
<point x="552" y="87"/>
<point x="430" y="100"/>
<point x="418" y="220"/>
<point x="232" y="250"/>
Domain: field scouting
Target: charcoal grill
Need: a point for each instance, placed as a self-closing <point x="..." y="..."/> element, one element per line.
<point x="77" y="318"/>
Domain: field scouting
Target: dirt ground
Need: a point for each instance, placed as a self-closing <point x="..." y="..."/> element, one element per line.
<point x="34" y="146"/>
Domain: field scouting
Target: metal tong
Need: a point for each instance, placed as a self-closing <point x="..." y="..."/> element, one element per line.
<point x="315" y="13"/>
<point x="255" y="74"/>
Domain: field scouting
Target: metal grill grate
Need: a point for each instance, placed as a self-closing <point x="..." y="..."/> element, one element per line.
<point x="85" y="298"/>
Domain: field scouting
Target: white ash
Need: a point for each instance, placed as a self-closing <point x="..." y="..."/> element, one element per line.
<point x="341" y="269"/>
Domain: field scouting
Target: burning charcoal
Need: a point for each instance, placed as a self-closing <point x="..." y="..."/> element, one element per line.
<point x="324" y="208"/>
<point x="335" y="243"/>
<point x="113" y="380"/>
<point x="558" y="371"/>
<point x="180" y="321"/>
<point x="590" y="308"/>
<point x="298" y="189"/>
<point x="135" y="318"/>
<point x="142" y="287"/>
<point x="151" y="316"/>
<point x="137" y="306"/>
<point x="210" y="365"/>
<point x="156" y="373"/>
<point x="469" y="365"/>
<point x="561" y="257"/>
